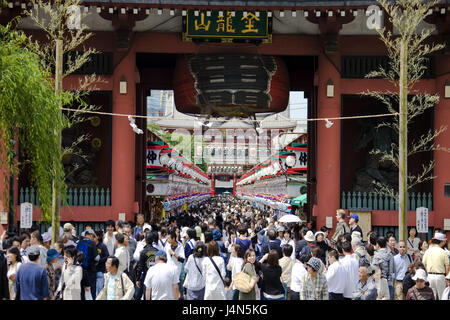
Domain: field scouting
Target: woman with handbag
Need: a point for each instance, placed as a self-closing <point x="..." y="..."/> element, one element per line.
<point x="194" y="281"/>
<point x="250" y="269"/>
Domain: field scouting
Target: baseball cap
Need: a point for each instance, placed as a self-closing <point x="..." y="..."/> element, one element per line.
<point x="88" y="231"/>
<point x="354" y="216"/>
<point x="33" y="250"/>
<point x="46" y="237"/>
<point x="68" y="227"/>
<point x="161" y="253"/>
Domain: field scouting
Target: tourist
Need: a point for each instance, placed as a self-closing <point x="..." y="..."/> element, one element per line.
<point x="437" y="264"/>
<point x="366" y="288"/>
<point x="412" y="242"/>
<point x="353" y="224"/>
<point x="117" y="284"/>
<point x="272" y="288"/>
<point x="420" y="291"/>
<point x="335" y="276"/>
<point x="195" y="281"/>
<point x="31" y="278"/>
<point x="423" y="247"/>
<point x="314" y="284"/>
<point x="214" y="273"/>
<point x="14" y="263"/>
<point x="402" y="262"/>
<point x="249" y="268"/>
<point x="341" y="227"/>
<point x="286" y="263"/>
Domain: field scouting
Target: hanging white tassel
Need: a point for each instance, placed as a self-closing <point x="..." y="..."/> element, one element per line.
<point x="134" y="126"/>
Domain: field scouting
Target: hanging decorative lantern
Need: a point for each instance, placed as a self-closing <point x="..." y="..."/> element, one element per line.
<point x="231" y="84"/>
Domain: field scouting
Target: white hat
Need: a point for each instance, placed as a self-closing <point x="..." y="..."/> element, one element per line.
<point x="420" y="274"/>
<point x="147" y="226"/>
<point x="319" y="232"/>
<point x="440" y="236"/>
<point x="46" y="237"/>
<point x="183" y="232"/>
<point x="309" y="236"/>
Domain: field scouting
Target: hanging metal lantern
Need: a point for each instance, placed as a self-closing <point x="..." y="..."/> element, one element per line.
<point x="236" y="85"/>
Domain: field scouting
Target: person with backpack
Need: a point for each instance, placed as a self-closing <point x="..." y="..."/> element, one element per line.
<point x="360" y="253"/>
<point x="384" y="262"/>
<point x="310" y="243"/>
<point x="401" y="263"/>
<point x="117" y="285"/>
<point x="146" y="260"/>
<point x="87" y="246"/>
<point x="341" y="227"/>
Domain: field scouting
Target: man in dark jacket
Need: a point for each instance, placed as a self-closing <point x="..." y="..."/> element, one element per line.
<point x="4" y="289"/>
<point x="146" y="260"/>
<point x="273" y="244"/>
<point x="87" y="240"/>
<point x="100" y="267"/>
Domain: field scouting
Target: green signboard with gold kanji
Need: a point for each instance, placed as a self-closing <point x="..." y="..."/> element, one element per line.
<point x="227" y="25"/>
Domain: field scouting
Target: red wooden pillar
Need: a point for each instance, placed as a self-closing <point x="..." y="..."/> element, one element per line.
<point x="442" y="159"/>
<point x="234" y="185"/>
<point x="213" y="185"/>
<point x="123" y="140"/>
<point x="328" y="141"/>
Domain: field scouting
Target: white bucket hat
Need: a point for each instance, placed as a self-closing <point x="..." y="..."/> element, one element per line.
<point x="420" y="274"/>
<point x="309" y="236"/>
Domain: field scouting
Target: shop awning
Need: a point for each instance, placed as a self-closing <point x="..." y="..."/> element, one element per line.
<point x="299" y="201"/>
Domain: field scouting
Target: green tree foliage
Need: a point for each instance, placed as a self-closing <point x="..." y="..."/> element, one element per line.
<point x="30" y="111"/>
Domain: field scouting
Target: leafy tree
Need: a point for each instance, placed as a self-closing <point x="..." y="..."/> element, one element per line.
<point x="61" y="21"/>
<point x="29" y="110"/>
<point x="407" y="51"/>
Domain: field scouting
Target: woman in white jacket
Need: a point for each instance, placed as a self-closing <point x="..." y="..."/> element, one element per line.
<point x="70" y="283"/>
<point x="214" y="288"/>
<point x="195" y="283"/>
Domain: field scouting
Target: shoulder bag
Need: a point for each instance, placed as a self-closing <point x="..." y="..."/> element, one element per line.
<point x="217" y="269"/>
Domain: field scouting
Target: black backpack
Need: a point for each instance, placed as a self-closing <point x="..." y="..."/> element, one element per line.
<point x="363" y="261"/>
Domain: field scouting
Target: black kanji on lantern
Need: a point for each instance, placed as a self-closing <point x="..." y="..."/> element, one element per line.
<point x="151" y="156"/>
<point x="235" y="79"/>
<point x="303" y="158"/>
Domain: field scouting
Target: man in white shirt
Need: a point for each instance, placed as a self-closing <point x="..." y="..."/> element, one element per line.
<point x="401" y="262"/>
<point x="122" y="253"/>
<point x="161" y="281"/>
<point x="109" y="240"/>
<point x="336" y="276"/>
<point x="297" y="275"/>
<point x="162" y="242"/>
<point x="351" y="266"/>
<point x="175" y="253"/>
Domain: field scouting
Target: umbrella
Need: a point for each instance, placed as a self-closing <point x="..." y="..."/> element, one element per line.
<point x="300" y="200"/>
<point x="287" y="218"/>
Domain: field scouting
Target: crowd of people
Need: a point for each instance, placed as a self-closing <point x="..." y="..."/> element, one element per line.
<point x="223" y="249"/>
